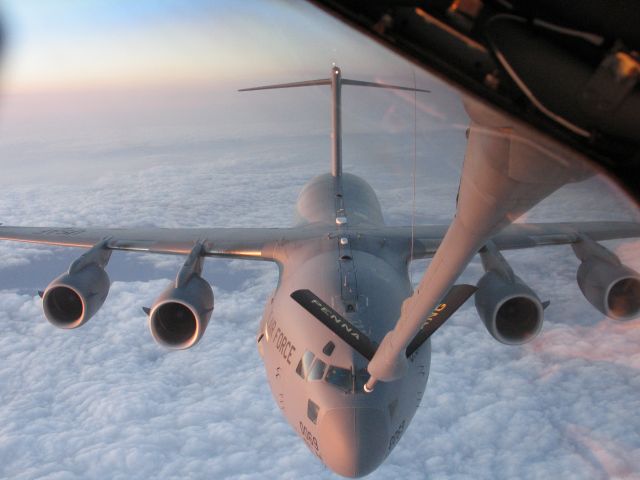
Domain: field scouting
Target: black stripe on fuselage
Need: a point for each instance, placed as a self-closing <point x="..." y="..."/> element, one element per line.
<point x="451" y="302"/>
<point x="335" y="322"/>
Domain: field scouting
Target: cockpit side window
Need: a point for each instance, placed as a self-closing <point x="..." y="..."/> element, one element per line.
<point x="312" y="411"/>
<point x="328" y="348"/>
<point x="312" y="368"/>
<point x="304" y="365"/>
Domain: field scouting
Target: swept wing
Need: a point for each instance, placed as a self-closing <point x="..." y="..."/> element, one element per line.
<point x="259" y="243"/>
<point x="249" y="243"/>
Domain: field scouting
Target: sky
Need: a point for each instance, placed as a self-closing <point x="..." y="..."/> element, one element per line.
<point x="105" y="120"/>
<point x="96" y="43"/>
<point x="74" y="44"/>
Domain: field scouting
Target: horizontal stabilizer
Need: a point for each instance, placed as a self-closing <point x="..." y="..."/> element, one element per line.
<point x="451" y="302"/>
<point x="306" y="83"/>
<point x="335" y="322"/>
<point x="360" y="83"/>
<point x="335" y="81"/>
<point x="327" y="81"/>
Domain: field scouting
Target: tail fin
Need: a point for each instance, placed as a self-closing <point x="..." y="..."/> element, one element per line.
<point x="335" y="81"/>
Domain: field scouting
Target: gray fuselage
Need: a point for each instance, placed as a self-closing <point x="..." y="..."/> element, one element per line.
<point x="366" y="281"/>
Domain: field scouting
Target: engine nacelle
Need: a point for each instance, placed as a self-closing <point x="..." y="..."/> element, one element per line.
<point x="181" y="314"/>
<point x="74" y="297"/>
<point x="611" y="288"/>
<point x="608" y="285"/>
<point x="511" y="311"/>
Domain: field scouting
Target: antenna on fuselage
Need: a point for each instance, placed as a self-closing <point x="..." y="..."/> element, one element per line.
<point x="335" y="81"/>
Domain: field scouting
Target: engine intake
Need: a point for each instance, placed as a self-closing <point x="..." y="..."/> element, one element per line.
<point x="612" y="289"/>
<point x="511" y="311"/>
<point x="609" y="286"/>
<point x="74" y="297"/>
<point x="181" y="314"/>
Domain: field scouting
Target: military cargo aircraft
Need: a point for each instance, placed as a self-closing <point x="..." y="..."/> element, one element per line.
<point x="344" y="337"/>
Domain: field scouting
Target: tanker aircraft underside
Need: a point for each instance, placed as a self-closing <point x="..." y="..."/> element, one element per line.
<point x="344" y="337"/>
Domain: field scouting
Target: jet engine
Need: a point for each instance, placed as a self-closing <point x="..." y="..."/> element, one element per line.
<point x="609" y="286"/>
<point x="181" y="314"/>
<point x="511" y="311"/>
<point x="74" y="297"/>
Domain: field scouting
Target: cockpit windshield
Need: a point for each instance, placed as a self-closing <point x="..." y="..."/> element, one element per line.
<point x="314" y="369"/>
<point x="340" y="377"/>
<point x="304" y="365"/>
<point x="317" y="370"/>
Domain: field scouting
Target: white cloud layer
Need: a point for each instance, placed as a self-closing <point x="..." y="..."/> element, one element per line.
<point x="104" y="401"/>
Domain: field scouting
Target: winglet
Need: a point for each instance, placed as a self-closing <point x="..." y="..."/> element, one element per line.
<point x="146" y="310"/>
<point x="40" y="292"/>
<point x="546" y="304"/>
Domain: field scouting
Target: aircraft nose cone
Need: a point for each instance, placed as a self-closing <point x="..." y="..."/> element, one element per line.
<point x="354" y="440"/>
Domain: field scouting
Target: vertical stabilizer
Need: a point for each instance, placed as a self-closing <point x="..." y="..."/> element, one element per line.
<point x="336" y="122"/>
<point x="335" y="81"/>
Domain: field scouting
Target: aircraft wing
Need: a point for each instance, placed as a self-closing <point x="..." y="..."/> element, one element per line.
<point x="527" y="235"/>
<point x="258" y="243"/>
<point x="427" y="238"/>
<point x="248" y="243"/>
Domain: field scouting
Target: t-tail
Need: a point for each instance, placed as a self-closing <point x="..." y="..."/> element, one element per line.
<point x="335" y="81"/>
